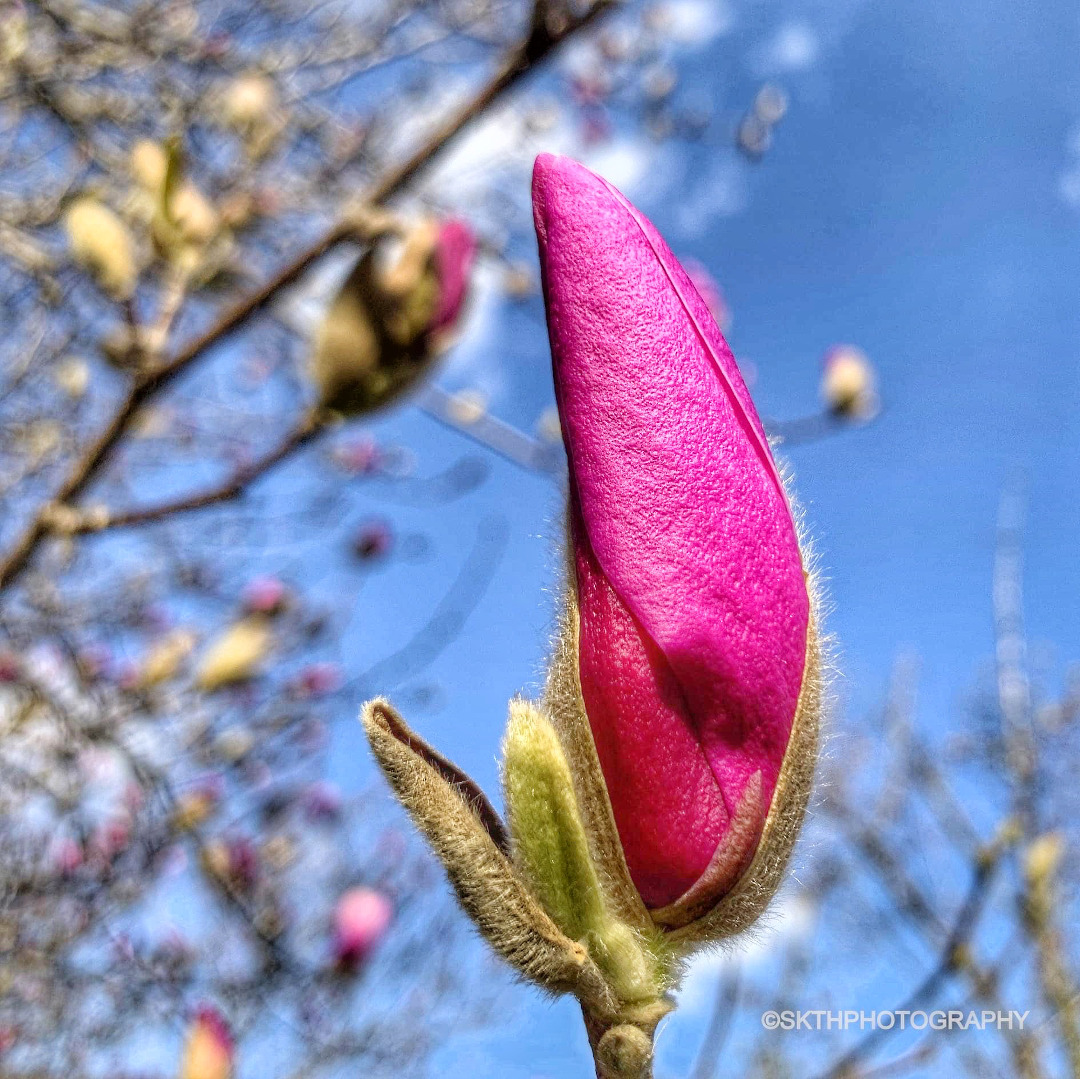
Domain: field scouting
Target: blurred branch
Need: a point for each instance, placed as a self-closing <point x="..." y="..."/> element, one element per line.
<point x="727" y="995"/>
<point x="495" y="434"/>
<point x="73" y="522"/>
<point x="948" y="964"/>
<point x="551" y="24"/>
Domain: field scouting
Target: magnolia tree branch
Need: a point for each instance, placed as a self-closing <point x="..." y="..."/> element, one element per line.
<point x="949" y="962"/>
<point x="550" y="25"/>
<point x="75" y="522"/>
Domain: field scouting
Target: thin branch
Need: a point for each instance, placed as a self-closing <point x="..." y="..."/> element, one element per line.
<point x="101" y="519"/>
<point x="947" y="965"/>
<point x="494" y="434"/>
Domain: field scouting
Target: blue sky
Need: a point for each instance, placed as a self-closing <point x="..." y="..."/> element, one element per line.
<point x="921" y="201"/>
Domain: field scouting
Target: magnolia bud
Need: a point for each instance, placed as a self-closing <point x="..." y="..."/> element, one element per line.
<point x="655" y="794"/>
<point x="250" y="106"/>
<point x="209" y="1050"/>
<point x="1042" y="858"/>
<point x="847" y="383"/>
<point x="361" y="919"/>
<point x="687" y="684"/>
<point x="265" y="595"/>
<point x="392" y="316"/>
<point x="248" y="101"/>
<point x="165" y="658"/>
<point x="102" y="244"/>
<point x="183" y="222"/>
<point x="237" y="654"/>
<point x="72" y="375"/>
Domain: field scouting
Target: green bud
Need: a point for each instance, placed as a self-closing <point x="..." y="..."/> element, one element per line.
<point x="550" y="845"/>
<point x="551" y="850"/>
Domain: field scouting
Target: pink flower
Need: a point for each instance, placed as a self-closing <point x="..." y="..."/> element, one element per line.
<point x="209" y="1050"/>
<point x="265" y="595"/>
<point x="318" y="679"/>
<point x="455" y="249"/>
<point x="694" y="618"/>
<point x="373" y="540"/>
<point x="361" y="919"/>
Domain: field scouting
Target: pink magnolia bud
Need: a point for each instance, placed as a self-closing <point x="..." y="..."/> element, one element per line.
<point x="455" y="249"/>
<point x="209" y="1050"/>
<point x="694" y="634"/>
<point x="266" y="595"/>
<point x="67" y="856"/>
<point x="361" y="920"/>
<point x="318" y="679"/>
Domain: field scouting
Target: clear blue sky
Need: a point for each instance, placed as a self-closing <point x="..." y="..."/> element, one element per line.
<point x="916" y="202"/>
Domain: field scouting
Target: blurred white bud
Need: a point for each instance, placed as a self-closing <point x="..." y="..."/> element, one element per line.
<point x="848" y="383"/>
<point x="103" y="245"/>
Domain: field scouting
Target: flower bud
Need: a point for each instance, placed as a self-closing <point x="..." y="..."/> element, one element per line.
<point x="265" y="595"/>
<point x="237" y="654"/>
<point x="361" y="919"/>
<point x="183" y="222"/>
<point x="847" y="383"/>
<point x="250" y="106"/>
<point x="686" y="686"/>
<point x="102" y="244"/>
<point x="393" y="316"/>
<point x="209" y="1050"/>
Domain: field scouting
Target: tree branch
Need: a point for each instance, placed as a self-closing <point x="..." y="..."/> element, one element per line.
<point x="75" y="522"/>
<point x="949" y="962"/>
<point x="550" y="26"/>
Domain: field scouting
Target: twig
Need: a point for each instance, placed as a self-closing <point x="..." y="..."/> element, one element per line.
<point x="497" y="435"/>
<point x="946" y="966"/>
<point x="544" y="36"/>
<point x="100" y="519"/>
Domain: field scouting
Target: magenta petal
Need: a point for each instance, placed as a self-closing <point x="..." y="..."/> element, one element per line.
<point x="455" y="249"/>
<point x="696" y="650"/>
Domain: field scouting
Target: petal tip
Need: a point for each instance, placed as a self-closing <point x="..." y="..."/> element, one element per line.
<point x="558" y="184"/>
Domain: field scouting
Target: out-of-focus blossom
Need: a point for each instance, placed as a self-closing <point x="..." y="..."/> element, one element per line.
<point x="848" y="385"/>
<point x="234" y="743"/>
<point x="103" y="245"/>
<point x="373" y="540"/>
<point x="66" y="856"/>
<point x="209" y="1051"/>
<point x="195" y="807"/>
<point x="361" y="919"/>
<point x="166" y="657"/>
<point x="770" y="104"/>
<point x="393" y="316"/>
<point x="322" y="801"/>
<point x="237" y="655"/>
<point x="318" y="679"/>
<point x="455" y="249"/>
<point x="265" y="595"/>
<point x="10" y="667"/>
<point x="358" y="456"/>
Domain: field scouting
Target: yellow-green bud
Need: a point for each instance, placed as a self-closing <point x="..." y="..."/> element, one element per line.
<point x="552" y="852"/>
